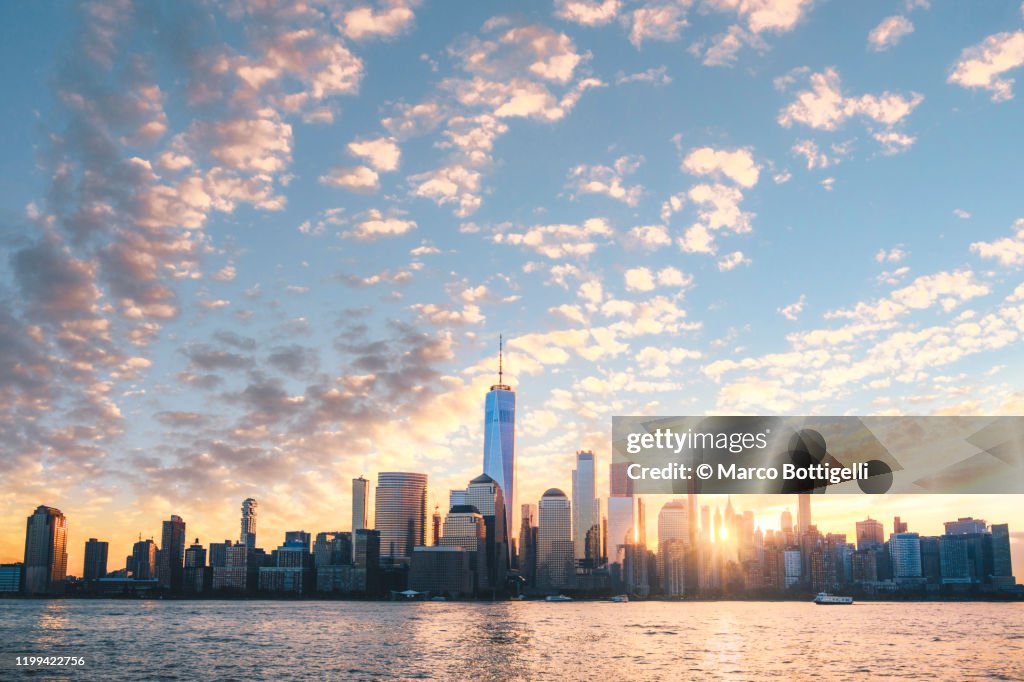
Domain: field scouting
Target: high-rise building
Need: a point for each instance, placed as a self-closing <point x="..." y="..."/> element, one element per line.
<point x="803" y="513"/>
<point x="1002" y="568"/>
<point x="360" y="503"/>
<point x="144" y="560"/>
<point x="786" y="522"/>
<point x="965" y="525"/>
<point x="555" y="569"/>
<point x="248" y="534"/>
<point x="10" y="578"/>
<point x="172" y="554"/>
<point x="292" y="570"/>
<point x="456" y="497"/>
<point x="333" y="549"/>
<point x="443" y="570"/>
<point x="218" y="553"/>
<point x="870" y="534"/>
<point x="95" y="566"/>
<point x="673" y="536"/>
<point x="899" y="526"/>
<point x="905" y="551"/>
<point x="400" y="514"/>
<point x="46" y="556"/>
<point x="240" y="570"/>
<point x="500" y="441"/>
<point x="485" y="494"/>
<point x="435" y="535"/>
<point x="584" y="502"/>
<point x="294" y="538"/>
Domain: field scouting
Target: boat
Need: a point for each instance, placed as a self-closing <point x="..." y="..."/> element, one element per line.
<point x="826" y="599"/>
<point x="560" y="597"/>
<point x="620" y="598"/>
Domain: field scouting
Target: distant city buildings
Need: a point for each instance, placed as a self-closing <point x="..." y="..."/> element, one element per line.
<point x="555" y="565"/>
<point x="94" y="566"/>
<point x="247" y="536"/>
<point x="400" y="514"/>
<point x="360" y="503"/>
<point x="584" y="502"/>
<point x="171" y="554"/>
<point x="46" y="556"/>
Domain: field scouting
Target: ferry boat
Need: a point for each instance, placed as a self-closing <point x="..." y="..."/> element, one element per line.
<point x="560" y="597"/>
<point x="620" y="598"/>
<point x="825" y="598"/>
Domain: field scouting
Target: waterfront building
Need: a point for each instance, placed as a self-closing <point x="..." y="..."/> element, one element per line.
<point x="333" y="549"/>
<point x="46" y="556"/>
<point x="441" y="570"/>
<point x="792" y="565"/>
<point x="965" y="525"/>
<point x="528" y="544"/>
<point x="10" y="578"/>
<point x="466" y="527"/>
<point x="400" y="514"/>
<point x="500" y="441"/>
<point x="144" y="560"/>
<point x="673" y="525"/>
<point x="555" y="569"/>
<point x="247" y="536"/>
<point x="239" y="572"/>
<point x="196" y="576"/>
<point x="218" y="553"/>
<point x="292" y="569"/>
<point x="1002" y="568"/>
<point x="95" y="565"/>
<point x="672" y="555"/>
<point x="172" y="554"/>
<point x="485" y="494"/>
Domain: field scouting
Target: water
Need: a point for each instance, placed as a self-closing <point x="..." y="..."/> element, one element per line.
<point x="279" y="640"/>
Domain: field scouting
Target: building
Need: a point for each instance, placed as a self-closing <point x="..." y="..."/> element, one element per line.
<point x="528" y="544"/>
<point x="367" y="558"/>
<point x="292" y="571"/>
<point x="485" y="494"/>
<point x="792" y="567"/>
<point x="333" y="549"/>
<point x="435" y="527"/>
<point x="10" y="578"/>
<point x="674" y="533"/>
<point x="870" y="534"/>
<point x="555" y="570"/>
<point x="803" y="513"/>
<point x="465" y="527"/>
<point x="456" y="497"/>
<point x="898" y="525"/>
<point x="672" y="566"/>
<point x="360" y="503"/>
<point x="46" y="556"/>
<point x="218" y="553"/>
<point x="196" y="577"/>
<point x="247" y="536"/>
<point x="400" y="514"/>
<point x="240" y="570"/>
<point x="1002" y="568"/>
<point x="965" y="525"/>
<point x="500" y="441"/>
<point x="441" y="570"/>
<point x="905" y="551"/>
<point x="584" y="502"/>
<point x="172" y="554"/>
<point x="95" y="566"/>
<point x="144" y="560"/>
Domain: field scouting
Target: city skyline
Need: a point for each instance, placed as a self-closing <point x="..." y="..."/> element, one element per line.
<point x="261" y="250"/>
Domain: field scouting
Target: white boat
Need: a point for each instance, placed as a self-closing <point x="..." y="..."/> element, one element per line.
<point x="826" y="599"/>
<point x="560" y="597"/>
<point x="620" y="598"/>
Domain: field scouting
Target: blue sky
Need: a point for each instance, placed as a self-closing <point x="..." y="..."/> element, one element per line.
<point x="258" y="251"/>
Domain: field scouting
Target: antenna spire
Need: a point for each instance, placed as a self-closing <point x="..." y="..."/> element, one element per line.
<point x="501" y="360"/>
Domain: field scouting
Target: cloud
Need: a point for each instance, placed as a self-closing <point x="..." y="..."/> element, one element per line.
<point x="657" y="75"/>
<point x="889" y="33"/>
<point x="657" y="21"/>
<point x="732" y="260"/>
<point x="374" y="225"/>
<point x="893" y="142"/>
<point x="961" y="214"/>
<point x="737" y="165"/>
<point x="608" y="180"/>
<point x="792" y="311"/>
<point x="559" y="241"/>
<point x="984" y="65"/>
<point x="761" y="16"/>
<point x="650" y="237"/>
<point x="723" y="48"/>
<point x="357" y="179"/>
<point x="587" y="12"/>
<point x="382" y="154"/>
<point x="719" y="211"/>
<point x="825" y="107"/>
<point x="455" y="184"/>
<point x="365" y="23"/>
<point x="894" y="255"/>
<point x="1009" y="251"/>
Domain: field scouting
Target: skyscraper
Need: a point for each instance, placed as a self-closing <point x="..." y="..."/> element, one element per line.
<point x="195" y="574"/>
<point x="803" y="513"/>
<point x="584" y="501"/>
<point x="46" y="556"/>
<point x="464" y="527"/>
<point x="500" y="440"/>
<point x="95" y="566"/>
<point x="400" y="514"/>
<point x="485" y="495"/>
<point x="248" y="534"/>
<point x="144" y="560"/>
<point x="554" y="541"/>
<point x="172" y="554"/>
<point x="786" y="522"/>
<point x="869" y="534"/>
<point x="905" y="551"/>
<point x="1002" y="569"/>
<point x="899" y="526"/>
<point x="528" y="543"/>
<point x="673" y="539"/>
<point x="360" y="503"/>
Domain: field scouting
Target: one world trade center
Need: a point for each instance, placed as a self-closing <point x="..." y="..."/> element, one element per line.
<point x="500" y="440"/>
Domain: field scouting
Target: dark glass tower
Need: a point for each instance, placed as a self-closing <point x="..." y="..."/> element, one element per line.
<point x="500" y="440"/>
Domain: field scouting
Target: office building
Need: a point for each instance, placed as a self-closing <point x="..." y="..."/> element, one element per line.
<point x="456" y="497"/>
<point x="465" y="527"/>
<point x="333" y="549"/>
<point x="46" y="556"/>
<point x="485" y="494"/>
<point x="442" y="570"/>
<point x="95" y="565"/>
<point x="555" y="569"/>
<point x="584" y="502"/>
<point x="292" y="570"/>
<point x="674" y="536"/>
<point x="172" y="554"/>
<point x="10" y="578"/>
<point x="870" y="534"/>
<point x="239" y="572"/>
<point x="360" y="503"/>
<point x="500" y="441"/>
<point x="400" y="514"/>
<point x="905" y="552"/>
<point x="196" y="576"/>
<point x="965" y="525"/>
<point x="528" y="543"/>
<point x="803" y="513"/>
<point x="218" y="553"/>
<point x="898" y="525"/>
<point x="144" y="560"/>
<point x="1002" y="568"/>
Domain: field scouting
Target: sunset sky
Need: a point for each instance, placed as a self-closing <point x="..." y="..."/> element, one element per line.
<point x="256" y="251"/>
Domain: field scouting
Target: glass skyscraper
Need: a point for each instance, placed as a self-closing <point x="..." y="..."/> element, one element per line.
<point x="554" y="541"/>
<point x="401" y="513"/>
<point x="46" y="556"/>
<point x="500" y="442"/>
<point x="584" y="501"/>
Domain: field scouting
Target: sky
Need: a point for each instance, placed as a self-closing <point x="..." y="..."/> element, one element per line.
<point x="256" y="250"/>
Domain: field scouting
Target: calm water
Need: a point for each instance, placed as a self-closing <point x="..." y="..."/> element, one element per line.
<point x="521" y="641"/>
